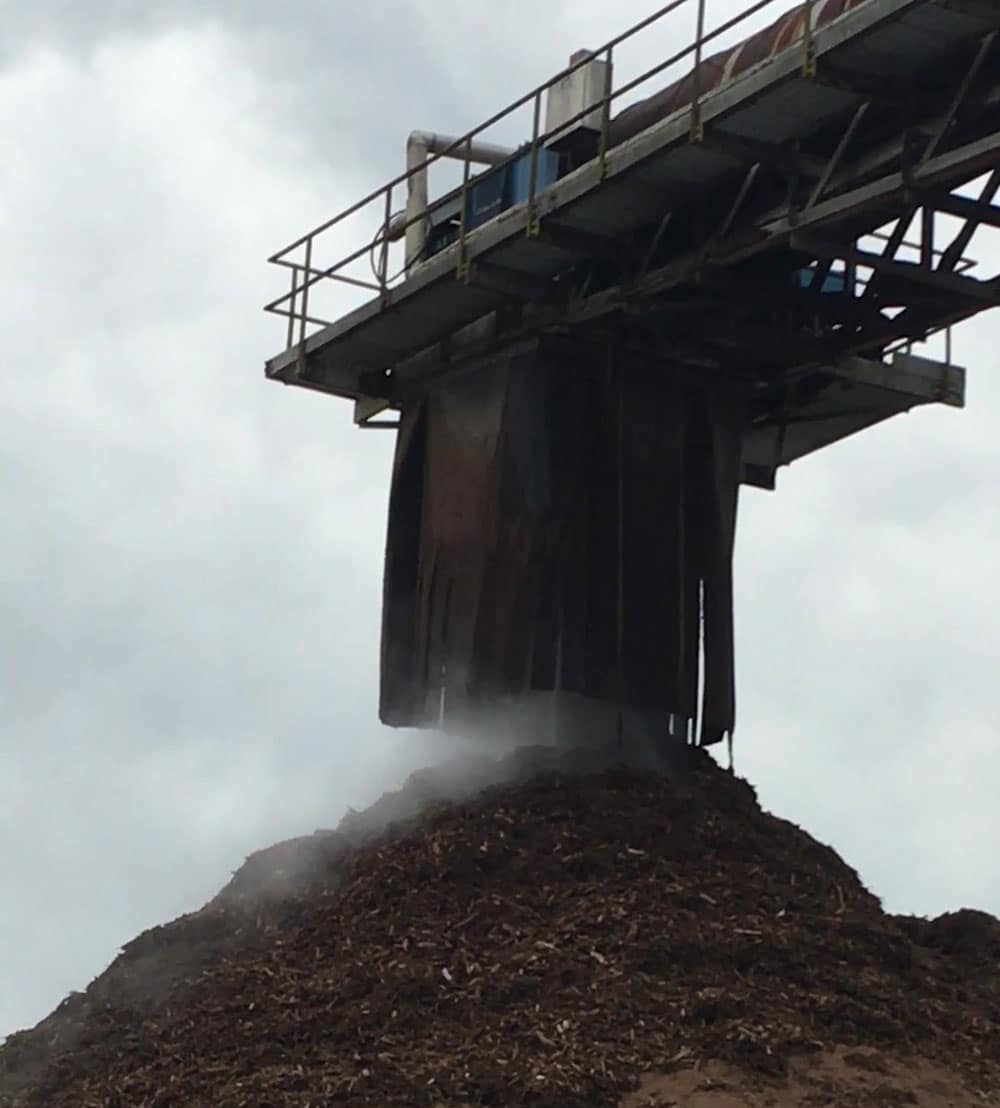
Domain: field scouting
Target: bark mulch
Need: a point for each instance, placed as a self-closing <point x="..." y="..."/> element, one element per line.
<point x="544" y="941"/>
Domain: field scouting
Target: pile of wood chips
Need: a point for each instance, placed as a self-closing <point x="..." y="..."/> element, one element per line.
<point x="579" y="934"/>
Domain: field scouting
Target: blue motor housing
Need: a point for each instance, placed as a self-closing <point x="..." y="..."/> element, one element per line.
<point x="832" y="282"/>
<point x="509" y="184"/>
<point x="490" y="194"/>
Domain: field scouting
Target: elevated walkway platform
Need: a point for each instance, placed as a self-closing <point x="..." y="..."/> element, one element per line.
<point x="590" y="345"/>
<point x="783" y="227"/>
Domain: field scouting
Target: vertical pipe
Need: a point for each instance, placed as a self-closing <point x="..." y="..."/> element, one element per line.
<point x="417" y="193"/>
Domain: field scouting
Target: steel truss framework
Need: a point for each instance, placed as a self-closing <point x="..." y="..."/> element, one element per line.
<point x="879" y="199"/>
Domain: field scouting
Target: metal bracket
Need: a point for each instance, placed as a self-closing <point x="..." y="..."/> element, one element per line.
<point x="366" y="408"/>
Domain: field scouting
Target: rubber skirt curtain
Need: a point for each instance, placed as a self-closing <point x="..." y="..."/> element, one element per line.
<point x="509" y="568"/>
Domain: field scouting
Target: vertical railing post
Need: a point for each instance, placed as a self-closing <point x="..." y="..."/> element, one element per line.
<point x="301" y="357"/>
<point x="697" y="129"/>
<point x="808" y="41"/>
<point x="305" y="290"/>
<point x="292" y="298"/>
<point x="462" y="269"/>
<point x="609" y="62"/>
<point x="383" y="261"/>
<point x="533" y="228"/>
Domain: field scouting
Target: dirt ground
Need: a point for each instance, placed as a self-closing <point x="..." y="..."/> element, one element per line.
<point x="571" y="935"/>
<point x="838" y="1078"/>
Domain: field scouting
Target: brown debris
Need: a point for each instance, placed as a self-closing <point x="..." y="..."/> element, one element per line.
<point x="554" y="941"/>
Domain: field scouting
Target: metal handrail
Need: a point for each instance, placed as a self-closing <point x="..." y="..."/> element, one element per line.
<point x="491" y="122"/>
<point x="294" y="305"/>
<point x="303" y="277"/>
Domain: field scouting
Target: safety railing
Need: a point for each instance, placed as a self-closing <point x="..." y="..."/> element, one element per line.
<point x="300" y="256"/>
<point x="926" y="251"/>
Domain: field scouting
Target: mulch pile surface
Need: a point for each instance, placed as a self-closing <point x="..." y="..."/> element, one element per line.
<point x="545" y="941"/>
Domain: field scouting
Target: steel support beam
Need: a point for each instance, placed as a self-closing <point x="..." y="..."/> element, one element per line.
<point x="749" y="151"/>
<point x="922" y="380"/>
<point x="586" y="244"/>
<point x="977" y="211"/>
<point x="986" y="293"/>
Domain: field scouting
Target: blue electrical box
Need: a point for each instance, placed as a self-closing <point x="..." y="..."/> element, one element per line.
<point x="486" y="197"/>
<point x="519" y="175"/>
<point x="490" y="194"/>
<point x="832" y="283"/>
<point x="509" y="184"/>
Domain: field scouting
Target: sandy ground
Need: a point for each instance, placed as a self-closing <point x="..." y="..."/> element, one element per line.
<point x="843" y="1078"/>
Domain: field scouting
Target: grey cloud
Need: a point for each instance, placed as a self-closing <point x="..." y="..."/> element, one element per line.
<point x="333" y="76"/>
<point x="191" y="568"/>
<point x="866" y="648"/>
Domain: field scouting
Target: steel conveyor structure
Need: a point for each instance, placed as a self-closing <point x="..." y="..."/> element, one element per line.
<point x="665" y="301"/>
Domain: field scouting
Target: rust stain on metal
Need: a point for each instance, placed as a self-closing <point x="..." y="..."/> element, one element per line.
<point x="725" y="66"/>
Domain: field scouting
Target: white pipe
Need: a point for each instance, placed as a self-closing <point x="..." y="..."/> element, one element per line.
<point x="485" y="153"/>
<point x="419" y="147"/>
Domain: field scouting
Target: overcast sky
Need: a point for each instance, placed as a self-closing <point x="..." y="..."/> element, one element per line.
<point x="191" y="556"/>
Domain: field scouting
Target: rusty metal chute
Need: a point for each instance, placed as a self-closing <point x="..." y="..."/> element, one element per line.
<point x="559" y="523"/>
